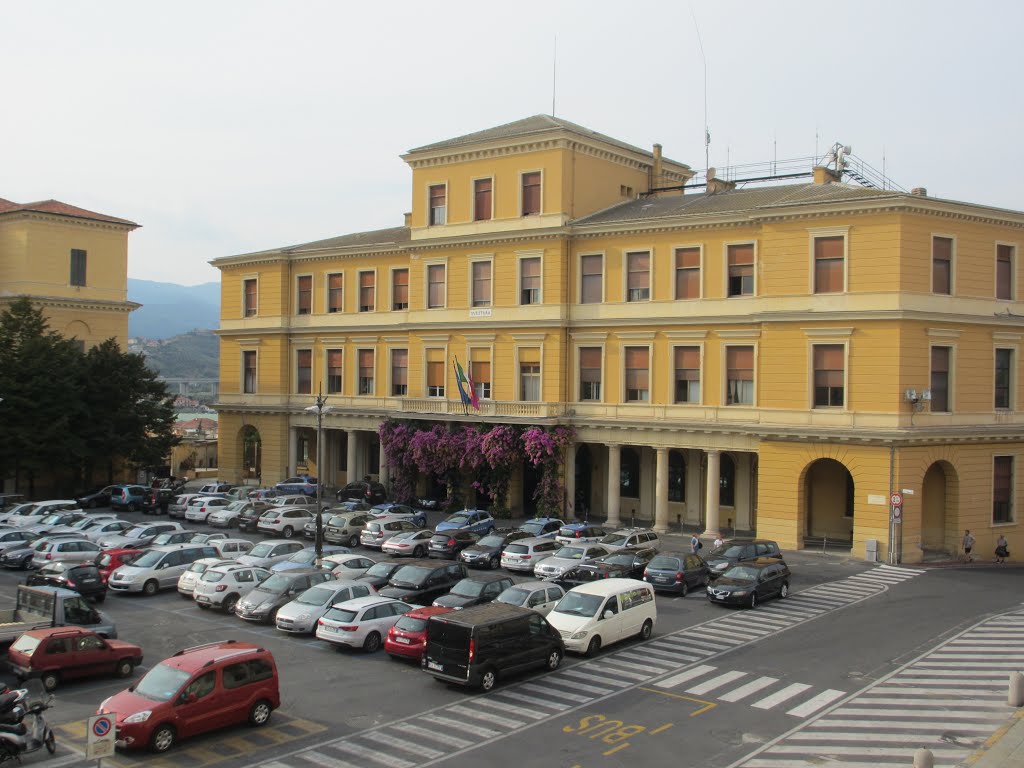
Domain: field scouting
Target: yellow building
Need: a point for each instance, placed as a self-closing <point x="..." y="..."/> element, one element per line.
<point x="72" y="263"/>
<point x="779" y="359"/>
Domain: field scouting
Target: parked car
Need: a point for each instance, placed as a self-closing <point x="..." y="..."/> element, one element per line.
<point x="407" y="639"/>
<point x="474" y="590"/>
<point x="109" y="560"/>
<point x="199" y="512"/>
<point x="69" y="550"/>
<point x="620" y="564"/>
<point x="187" y="580"/>
<point x="293" y="500"/>
<point x="363" y="490"/>
<point x="300" y="616"/>
<point x="9" y="513"/>
<point x="262" y="603"/>
<point x="53" y="520"/>
<point x="158" y="568"/>
<point x="539" y="596"/>
<point x="214" y="488"/>
<point x="228" y="516"/>
<point x="676" y="572"/>
<point x="105" y="528"/>
<point x="172" y="537"/>
<point x="379" y="574"/>
<point x="394" y="509"/>
<point x="361" y="623"/>
<point x="222" y="586"/>
<point x="271" y="551"/>
<point x="735" y="551"/>
<point x="477" y="646"/>
<point x="139" y="536"/>
<point x="179" y="504"/>
<point x="632" y="538"/>
<point x="21" y="556"/>
<point x="306" y="558"/>
<point x="31" y="514"/>
<point x="199" y="689"/>
<point x="423" y="581"/>
<point x="568" y="557"/>
<point x="487" y="551"/>
<point x="232" y="549"/>
<point x="542" y="527"/>
<point x="207" y="538"/>
<point x="284" y="521"/>
<point x="299" y="484"/>
<point x="262" y="494"/>
<point x="574" y="533"/>
<point x="376" y="532"/>
<point x="129" y="497"/>
<point x="15" y="538"/>
<point x="157" y="501"/>
<point x="93" y="499"/>
<point x="348" y="565"/>
<point x="593" y="616"/>
<point x="475" y="520"/>
<point x="83" y="578"/>
<point x="750" y="582"/>
<point x="523" y="555"/>
<point x="61" y="654"/>
<point x="249" y="518"/>
<point x="450" y="543"/>
<point x="405" y="543"/>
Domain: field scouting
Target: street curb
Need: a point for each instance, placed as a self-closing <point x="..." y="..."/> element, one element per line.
<point x="992" y="742"/>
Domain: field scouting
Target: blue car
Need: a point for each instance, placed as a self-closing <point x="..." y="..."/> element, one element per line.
<point x="474" y="520"/>
<point x="300" y="484"/>
<point x="542" y="527"/>
<point x="394" y="509"/>
<point x="306" y="558"/>
<point x="129" y="497"/>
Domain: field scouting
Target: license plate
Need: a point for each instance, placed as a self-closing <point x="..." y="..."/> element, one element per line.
<point x="434" y="665"/>
<point x="202" y="599"/>
<point x="662" y="580"/>
<point x="403" y="640"/>
<point x="436" y="546"/>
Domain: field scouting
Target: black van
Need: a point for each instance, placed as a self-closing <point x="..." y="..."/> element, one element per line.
<point x="423" y="581"/>
<point x="476" y="646"/>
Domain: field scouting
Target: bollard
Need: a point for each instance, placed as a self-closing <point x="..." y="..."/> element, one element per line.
<point x="923" y="758"/>
<point x="1015" y="694"/>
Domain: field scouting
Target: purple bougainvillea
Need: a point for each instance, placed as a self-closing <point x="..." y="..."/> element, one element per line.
<point x="545" y="449"/>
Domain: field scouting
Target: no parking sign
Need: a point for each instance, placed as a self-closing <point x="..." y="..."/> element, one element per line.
<point x="101" y="735"/>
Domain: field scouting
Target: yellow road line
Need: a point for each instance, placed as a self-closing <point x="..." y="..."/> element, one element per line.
<point x="707" y="704"/>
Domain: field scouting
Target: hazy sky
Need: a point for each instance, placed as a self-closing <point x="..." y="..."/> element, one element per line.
<point x="227" y="127"/>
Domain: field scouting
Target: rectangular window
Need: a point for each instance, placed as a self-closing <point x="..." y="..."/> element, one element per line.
<point x="687" y="273"/>
<point x="1004" y="271"/>
<point x="436" y="293"/>
<point x="1002" y="490"/>
<point x="304" y="372"/>
<point x="687" y="373"/>
<point x="590" y="373"/>
<point x="942" y="265"/>
<point x="591" y="279"/>
<point x="939" y="383"/>
<point x="249" y="297"/>
<point x="828" y="264"/>
<point x="78" y="259"/>
<point x="638" y="276"/>
<point x="399" y="372"/>
<point x="481" y="283"/>
<point x="335" y="292"/>
<point x="367" y="291"/>
<point x="529" y="374"/>
<point x="480" y="370"/>
<point x="637" y="374"/>
<point x="249" y="372"/>
<point x="305" y="298"/>
<point x="829" y="369"/>
<point x="739" y="375"/>
<point x="741" y="269"/>
<point x="334" y="362"/>
<point x="435" y="373"/>
<point x="1003" y="378"/>
<point x="529" y="281"/>
<point x="482" y="199"/>
<point x="366" y="371"/>
<point x="531" y="193"/>
<point x="438" y="204"/>
<point x="400" y="289"/>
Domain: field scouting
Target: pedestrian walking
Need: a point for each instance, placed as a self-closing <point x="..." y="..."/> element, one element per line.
<point x="968" y="545"/>
<point x="695" y="543"/>
<point x="719" y="541"/>
<point x="1002" y="549"/>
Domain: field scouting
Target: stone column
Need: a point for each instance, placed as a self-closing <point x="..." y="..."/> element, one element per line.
<point x="693" y="485"/>
<point x="661" y="491"/>
<point x="353" y="452"/>
<point x="293" y="451"/>
<point x="741" y="507"/>
<point x="383" y="463"/>
<point x="570" y="480"/>
<point x="711" y="503"/>
<point x="614" y="472"/>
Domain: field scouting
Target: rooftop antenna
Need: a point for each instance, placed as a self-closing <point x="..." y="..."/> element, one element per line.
<point x="554" y="75"/>
<point x="704" y="60"/>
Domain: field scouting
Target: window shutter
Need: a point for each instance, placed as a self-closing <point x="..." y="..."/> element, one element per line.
<point x="529" y="355"/>
<point x="740" y="362"/>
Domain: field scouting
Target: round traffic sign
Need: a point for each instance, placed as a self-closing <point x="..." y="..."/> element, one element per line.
<point x="897" y="513"/>
<point x="102" y="726"/>
<point x="896" y="500"/>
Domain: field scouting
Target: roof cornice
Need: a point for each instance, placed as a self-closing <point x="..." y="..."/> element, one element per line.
<point x="64" y="218"/>
<point x="92" y="305"/>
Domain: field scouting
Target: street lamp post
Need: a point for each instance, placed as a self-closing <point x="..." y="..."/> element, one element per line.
<point x="319" y="407"/>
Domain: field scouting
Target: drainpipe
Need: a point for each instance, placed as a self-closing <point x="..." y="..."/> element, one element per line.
<point x="892" y="526"/>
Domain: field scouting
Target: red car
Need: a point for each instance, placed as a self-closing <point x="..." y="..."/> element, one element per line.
<point x="407" y="639"/>
<point x="58" y="654"/>
<point x="111" y="559"/>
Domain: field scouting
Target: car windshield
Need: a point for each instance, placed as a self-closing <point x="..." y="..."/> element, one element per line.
<point x="728" y="550"/>
<point x="517" y="549"/>
<point x="339" y="520"/>
<point x="382" y="569"/>
<point x="535" y="528"/>
<point x="339" y="614"/>
<point x="468" y="588"/>
<point x="411" y="625"/>
<point x="198" y="567"/>
<point x="302" y="556"/>
<point x="662" y="562"/>
<point x="135" y="533"/>
<point x="741" y="572"/>
<point x="161" y="683"/>
<point x="148" y="560"/>
<point x="571" y="553"/>
<point x="578" y="604"/>
<point x="26" y="644"/>
<point x="623" y="558"/>
<point x="457" y="520"/>
<point x="236" y="506"/>
<point x="51" y="519"/>
<point x="276" y="583"/>
<point x="491" y="541"/>
<point x="262" y="550"/>
<point x="315" y="596"/>
<point x="514" y="596"/>
<point x="615" y="539"/>
<point x="411" y="573"/>
<point x="213" y="576"/>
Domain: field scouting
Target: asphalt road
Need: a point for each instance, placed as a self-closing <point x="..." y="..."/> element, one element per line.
<point x="711" y="688"/>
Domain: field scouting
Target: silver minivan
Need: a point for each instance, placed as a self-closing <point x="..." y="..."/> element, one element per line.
<point x="75" y="550"/>
<point x="524" y="554"/>
<point x="158" y="568"/>
<point x="380" y="530"/>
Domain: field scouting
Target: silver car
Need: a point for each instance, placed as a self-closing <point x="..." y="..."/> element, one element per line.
<point x="568" y="557"/>
<point x="222" y="586"/>
<point x="231" y="549"/>
<point x="524" y="554"/>
<point x="539" y="596"/>
<point x="187" y="580"/>
<point x="380" y="530"/>
<point x="63" y="550"/>
<point x="271" y="551"/>
<point x="227" y="516"/>
<point x="199" y="509"/>
<point x="301" y="614"/>
<point x="105" y="528"/>
<point x="343" y="527"/>
<point x="177" y="507"/>
<point x="294" y="500"/>
<point x="158" y="568"/>
<point x="139" y="536"/>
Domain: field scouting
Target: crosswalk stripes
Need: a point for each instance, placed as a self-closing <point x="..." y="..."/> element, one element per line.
<point x="950" y="700"/>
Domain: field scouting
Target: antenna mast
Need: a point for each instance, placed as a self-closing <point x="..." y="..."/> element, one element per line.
<point x="554" y="75"/>
<point x="703" y="58"/>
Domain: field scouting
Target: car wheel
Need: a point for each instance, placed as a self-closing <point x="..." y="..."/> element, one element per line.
<point x="124" y="668"/>
<point x="684" y="588"/>
<point x="287" y="532"/>
<point x="132" y="507"/>
<point x="488" y="680"/>
<point x="372" y="643"/>
<point x="595" y="646"/>
<point x="353" y="542"/>
<point x="753" y="599"/>
<point x="26" y="562"/>
<point x="232" y="523"/>
<point x="163" y="738"/>
<point x="229" y="603"/>
<point x="554" y="660"/>
<point x="418" y="552"/>
<point x="495" y="563"/>
<point x="646" y="629"/>
<point x="784" y="590"/>
<point x="150" y="588"/>
<point x="259" y="714"/>
<point x="50" y="680"/>
<point x="50" y="742"/>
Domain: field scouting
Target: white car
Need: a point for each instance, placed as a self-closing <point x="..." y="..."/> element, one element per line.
<point x="539" y="596"/>
<point x="232" y="549"/>
<point x="33" y="514"/>
<point x="103" y="528"/>
<point x="227" y="516"/>
<point x="222" y="586"/>
<point x="361" y="623"/>
<point x="411" y="543"/>
<point x="300" y="616"/>
<point x="568" y="557"/>
<point x="187" y="580"/>
<point x="284" y="520"/>
<point x="348" y="566"/>
<point x="268" y="552"/>
<point x="294" y="500"/>
<point x="199" y="509"/>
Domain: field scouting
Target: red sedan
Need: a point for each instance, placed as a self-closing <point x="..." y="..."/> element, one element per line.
<point x="407" y="639"/>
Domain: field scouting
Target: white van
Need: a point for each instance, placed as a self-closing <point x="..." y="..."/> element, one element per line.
<point x="603" y="612"/>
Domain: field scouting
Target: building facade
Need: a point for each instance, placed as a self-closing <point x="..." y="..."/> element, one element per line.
<point x="72" y="263"/>
<point x="778" y="359"/>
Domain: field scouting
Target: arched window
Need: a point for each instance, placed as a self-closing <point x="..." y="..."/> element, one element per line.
<point x="629" y="474"/>
<point x="727" y="482"/>
<point x="676" y="476"/>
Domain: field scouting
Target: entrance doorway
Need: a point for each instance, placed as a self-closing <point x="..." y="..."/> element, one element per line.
<point x="829" y="495"/>
<point x="584" y="473"/>
<point x="935" y="537"/>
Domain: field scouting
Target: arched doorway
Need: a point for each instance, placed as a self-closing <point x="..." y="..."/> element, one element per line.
<point x="584" y="471"/>
<point x="829" y="493"/>
<point x="251" y="452"/>
<point x="934" y="502"/>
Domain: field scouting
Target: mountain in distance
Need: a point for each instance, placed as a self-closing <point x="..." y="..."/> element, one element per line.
<point x="192" y="355"/>
<point x="169" y="309"/>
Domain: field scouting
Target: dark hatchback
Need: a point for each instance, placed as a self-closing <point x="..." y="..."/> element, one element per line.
<point x="423" y="581"/>
<point x="735" y="551"/>
<point x="677" y="572"/>
<point x="625" y="564"/>
<point x="364" y="490"/>
<point x="83" y="578"/>
<point x="100" y="498"/>
<point x="750" y="583"/>
<point x="487" y="551"/>
<point x="474" y="590"/>
<point x="379" y="574"/>
<point x="250" y="517"/>
<point x="450" y="543"/>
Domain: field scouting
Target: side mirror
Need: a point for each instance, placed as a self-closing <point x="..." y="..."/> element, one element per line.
<point x="608" y="614"/>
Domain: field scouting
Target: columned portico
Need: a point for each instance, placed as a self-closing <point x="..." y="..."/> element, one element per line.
<point x="351" y="456"/>
<point x="694" y="461"/>
<point x="713" y="525"/>
<point x="661" y="491"/>
<point x="293" y="450"/>
<point x="570" y="479"/>
<point x="614" y="470"/>
<point x="382" y="472"/>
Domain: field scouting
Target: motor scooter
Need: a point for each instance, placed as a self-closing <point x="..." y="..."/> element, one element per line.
<point x="23" y="726"/>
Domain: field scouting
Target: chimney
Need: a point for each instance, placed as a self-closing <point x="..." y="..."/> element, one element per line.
<point x="823" y="175"/>
<point x="408" y="219"/>
<point x="656" y="173"/>
<point x="919" y="191"/>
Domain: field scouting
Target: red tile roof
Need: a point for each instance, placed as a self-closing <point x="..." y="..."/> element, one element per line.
<point x="60" y="209"/>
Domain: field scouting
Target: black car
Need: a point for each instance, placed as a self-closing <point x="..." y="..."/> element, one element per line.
<point x="450" y="543"/>
<point x="379" y="574"/>
<point x="423" y="581"/>
<point x="751" y="582"/>
<point x="487" y="551"/>
<point x="250" y="517"/>
<point x="93" y="499"/>
<point x="474" y="590"/>
<point x="157" y="501"/>
<point x="364" y="490"/>
<point x="735" y="551"/>
<point x="83" y="578"/>
<point x="677" y="572"/>
<point x="279" y="589"/>
<point x="625" y="564"/>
